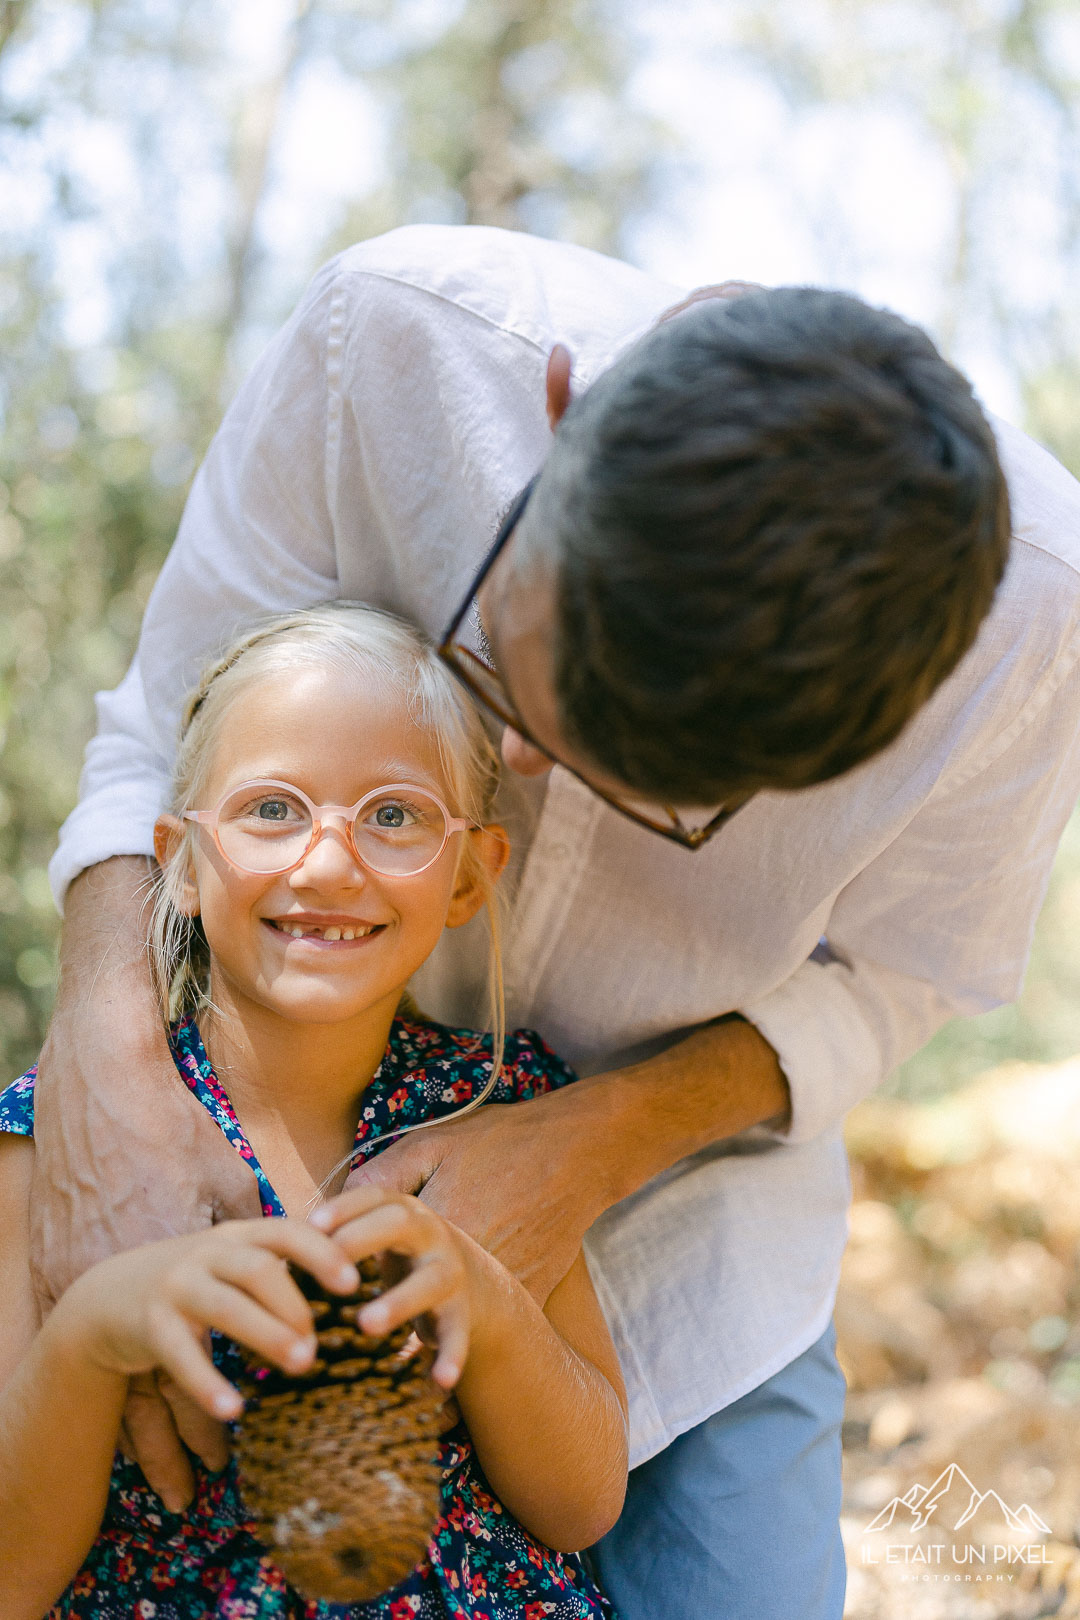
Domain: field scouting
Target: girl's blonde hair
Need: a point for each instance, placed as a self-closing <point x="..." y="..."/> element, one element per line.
<point x="359" y="640"/>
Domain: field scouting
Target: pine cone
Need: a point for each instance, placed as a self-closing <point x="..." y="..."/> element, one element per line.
<point x="339" y="1466"/>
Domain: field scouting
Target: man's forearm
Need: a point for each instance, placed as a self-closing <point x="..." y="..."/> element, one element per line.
<point x="718" y="1081"/>
<point x="103" y="945"/>
<point x="125" y="1154"/>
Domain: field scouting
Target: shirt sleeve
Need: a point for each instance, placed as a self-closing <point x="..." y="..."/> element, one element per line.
<point x="256" y="536"/>
<point x="938" y="925"/>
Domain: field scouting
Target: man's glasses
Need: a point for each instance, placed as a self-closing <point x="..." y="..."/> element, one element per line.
<point x="484" y="682"/>
<point x="269" y="827"/>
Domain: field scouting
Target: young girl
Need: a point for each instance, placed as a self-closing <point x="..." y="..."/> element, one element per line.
<point x="328" y="822"/>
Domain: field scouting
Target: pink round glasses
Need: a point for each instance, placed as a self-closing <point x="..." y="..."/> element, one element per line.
<point x="269" y="827"/>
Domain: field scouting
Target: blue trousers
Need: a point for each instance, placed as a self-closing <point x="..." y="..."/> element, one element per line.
<point x="738" y="1519"/>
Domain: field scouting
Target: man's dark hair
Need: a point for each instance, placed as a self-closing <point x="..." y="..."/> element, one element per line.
<point x="778" y="523"/>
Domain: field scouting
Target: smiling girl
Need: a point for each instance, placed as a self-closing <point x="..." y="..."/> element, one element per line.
<point x="328" y="822"/>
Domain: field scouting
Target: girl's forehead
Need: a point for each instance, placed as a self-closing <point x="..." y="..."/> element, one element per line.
<point x="342" y="730"/>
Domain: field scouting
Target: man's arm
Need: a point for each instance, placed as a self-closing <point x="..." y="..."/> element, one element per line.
<point x="100" y="1149"/>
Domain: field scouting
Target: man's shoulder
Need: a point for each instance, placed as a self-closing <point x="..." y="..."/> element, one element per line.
<point x="1044" y="497"/>
<point x="1028" y="646"/>
<point x="1035" y="620"/>
<point x="527" y="286"/>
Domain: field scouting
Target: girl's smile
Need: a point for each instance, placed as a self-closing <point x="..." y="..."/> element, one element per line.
<point x="312" y="929"/>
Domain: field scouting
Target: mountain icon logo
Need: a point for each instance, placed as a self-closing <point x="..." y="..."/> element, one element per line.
<point x="953" y="1501"/>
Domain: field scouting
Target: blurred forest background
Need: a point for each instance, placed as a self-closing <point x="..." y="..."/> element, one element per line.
<point x="171" y="173"/>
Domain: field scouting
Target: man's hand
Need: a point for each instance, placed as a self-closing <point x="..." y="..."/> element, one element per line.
<point x="505" y="1175"/>
<point x="527" y="1179"/>
<point x="160" y="1421"/>
<point x="124" y="1154"/>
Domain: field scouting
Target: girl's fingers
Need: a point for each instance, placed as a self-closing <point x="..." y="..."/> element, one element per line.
<point x="430" y="1283"/>
<point x="206" y="1300"/>
<point x="405" y="1228"/>
<point x="178" y="1350"/>
<point x="263" y="1275"/>
<point x="355" y="1201"/>
<point x="452" y="1319"/>
<point x="300" y="1242"/>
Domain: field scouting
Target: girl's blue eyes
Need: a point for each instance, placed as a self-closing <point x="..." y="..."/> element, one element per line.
<point x="387" y="817"/>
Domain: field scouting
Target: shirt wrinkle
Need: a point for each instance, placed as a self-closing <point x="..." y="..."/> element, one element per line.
<point x="1056" y="673"/>
<point x="434" y="293"/>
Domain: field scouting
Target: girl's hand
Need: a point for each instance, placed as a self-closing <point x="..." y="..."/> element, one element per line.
<point x="440" y="1284"/>
<point x="151" y="1307"/>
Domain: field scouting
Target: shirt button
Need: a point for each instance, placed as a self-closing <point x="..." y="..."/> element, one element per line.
<point x="559" y="852"/>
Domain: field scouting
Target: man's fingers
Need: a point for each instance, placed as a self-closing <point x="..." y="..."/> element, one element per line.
<point x="156" y="1446"/>
<point x="376" y="1184"/>
<point x="201" y="1434"/>
<point x="402" y="1167"/>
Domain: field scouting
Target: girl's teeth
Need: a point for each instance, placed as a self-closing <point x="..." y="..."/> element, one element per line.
<point x="297" y="932"/>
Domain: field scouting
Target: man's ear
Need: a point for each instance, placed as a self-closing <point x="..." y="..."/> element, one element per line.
<point x="492" y="847"/>
<point x="558" y="384"/>
<point x="168" y="832"/>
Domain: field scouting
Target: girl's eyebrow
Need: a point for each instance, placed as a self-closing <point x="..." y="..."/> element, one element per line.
<point x="388" y="773"/>
<point x="396" y="770"/>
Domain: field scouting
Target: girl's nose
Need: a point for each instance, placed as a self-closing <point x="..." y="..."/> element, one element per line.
<point x="331" y="861"/>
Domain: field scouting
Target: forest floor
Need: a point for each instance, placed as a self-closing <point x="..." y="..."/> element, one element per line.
<point x="959" y="1332"/>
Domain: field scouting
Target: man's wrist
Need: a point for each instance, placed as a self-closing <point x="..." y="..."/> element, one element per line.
<point x="715" y="1083"/>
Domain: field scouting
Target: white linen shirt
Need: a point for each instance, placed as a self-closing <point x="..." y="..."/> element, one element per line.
<point x="368" y="455"/>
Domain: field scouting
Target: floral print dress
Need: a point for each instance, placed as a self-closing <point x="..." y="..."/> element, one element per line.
<point x="150" y="1564"/>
